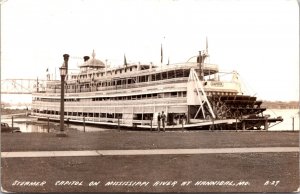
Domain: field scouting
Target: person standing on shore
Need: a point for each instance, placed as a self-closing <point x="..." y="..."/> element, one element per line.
<point x="163" y="120"/>
<point x="158" y="122"/>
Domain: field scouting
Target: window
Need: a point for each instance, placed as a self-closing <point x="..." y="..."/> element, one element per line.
<point x="118" y="115"/>
<point x="186" y="73"/>
<point x="129" y="81"/>
<point x="158" y="77"/>
<point x="173" y="94"/>
<point x="164" y="75"/>
<point x="171" y="74"/>
<point x="167" y="95"/>
<point x="153" y="77"/>
<point x="110" y="115"/>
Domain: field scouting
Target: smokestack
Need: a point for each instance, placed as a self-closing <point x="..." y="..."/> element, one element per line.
<point x="200" y="61"/>
<point x="85" y="58"/>
<point x="66" y="59"/>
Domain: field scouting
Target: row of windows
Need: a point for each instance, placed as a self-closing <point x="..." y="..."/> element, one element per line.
<point x="80" y="114"/>
<point x="102" y="73"/>
<point x="138" y="116"/>
<point x="130" y="80"/>
<point x="134" y="97"/>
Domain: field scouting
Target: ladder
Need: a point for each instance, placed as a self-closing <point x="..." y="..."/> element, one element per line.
<point x="201" y="96"/>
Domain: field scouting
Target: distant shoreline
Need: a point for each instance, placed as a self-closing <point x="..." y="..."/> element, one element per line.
<point x="5" y="111"/>
<point x="281" y="104"/>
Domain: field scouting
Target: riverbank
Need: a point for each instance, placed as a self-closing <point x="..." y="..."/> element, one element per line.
<point x="5" y="111"/>
<point x="246" y="172"/>
<point x="123" y="139"/>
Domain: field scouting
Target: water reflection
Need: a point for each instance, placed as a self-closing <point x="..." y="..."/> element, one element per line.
<point x="30" y="125"/>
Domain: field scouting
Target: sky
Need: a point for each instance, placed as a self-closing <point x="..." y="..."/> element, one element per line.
<point x="257" y="38"/>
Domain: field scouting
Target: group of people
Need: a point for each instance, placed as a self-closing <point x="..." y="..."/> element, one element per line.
<point x="161" y="118"/>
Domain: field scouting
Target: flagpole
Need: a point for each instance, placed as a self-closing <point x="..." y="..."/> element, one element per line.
<point x="161" y="55"/>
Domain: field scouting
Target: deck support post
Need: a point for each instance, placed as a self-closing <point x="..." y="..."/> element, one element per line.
<point x="83" y="123"/>
<point x="188" y="114"/>
<point x="243" y="125"/>
<point x="118" y="123"/>
<point x="235" y="123"/>
<point x="266" y="124"/>
<point x="48" y="124"/>
<point x="212" y="127"/>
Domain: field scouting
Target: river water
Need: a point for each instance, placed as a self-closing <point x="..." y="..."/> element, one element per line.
<point x="287" y="115"/>
<point x="29" y="124"/>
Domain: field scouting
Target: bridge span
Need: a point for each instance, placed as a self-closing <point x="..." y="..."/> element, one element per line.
<point x="22" y="86"/>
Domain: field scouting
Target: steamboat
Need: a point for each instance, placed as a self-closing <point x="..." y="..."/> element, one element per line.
<point x="191" y="94"/>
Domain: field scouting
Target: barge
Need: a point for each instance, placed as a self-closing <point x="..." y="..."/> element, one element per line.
<point x="191" y="94"/>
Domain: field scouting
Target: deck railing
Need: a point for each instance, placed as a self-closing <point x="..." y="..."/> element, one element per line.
<point x="119" y="103"/>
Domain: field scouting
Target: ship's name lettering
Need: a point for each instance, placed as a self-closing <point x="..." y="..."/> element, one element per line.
<point x="76" y="183"/>
<point x="217" y="84"/>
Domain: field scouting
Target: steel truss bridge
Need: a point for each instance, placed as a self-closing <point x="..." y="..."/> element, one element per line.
<point x="21" y="86"/>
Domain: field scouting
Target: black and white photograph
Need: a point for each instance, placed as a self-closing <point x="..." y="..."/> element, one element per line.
<point x="149" y="96"/>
